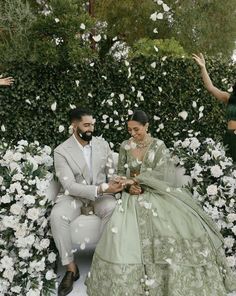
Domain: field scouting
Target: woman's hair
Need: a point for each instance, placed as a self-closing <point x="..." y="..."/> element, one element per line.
<point x="139" y="116"/>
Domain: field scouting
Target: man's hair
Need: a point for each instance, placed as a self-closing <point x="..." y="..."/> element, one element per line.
<point x="78" y="113"/>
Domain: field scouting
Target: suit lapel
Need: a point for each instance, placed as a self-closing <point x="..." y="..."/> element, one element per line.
<point x="96" y="161"/>
<point x="78" y="157"/>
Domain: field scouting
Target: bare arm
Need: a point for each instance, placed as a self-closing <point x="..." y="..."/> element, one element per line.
<point x="222" y="96"/>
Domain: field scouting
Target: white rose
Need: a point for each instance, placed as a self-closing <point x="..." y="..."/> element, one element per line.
<point x="17" y="156"/>
<point x="231" y="217"/>
<point x="231" y="261"/>
<point x="229" y="242"/>
<point x="32" y="292"/>
<point x="44" y="243"/>
<point x="9" y="221"/>
<point x="52" y="257"/>
<point x="20" y="231"/>
<point x="29" y="199"/>
<point x="212" y="190"/>
<point x="216" y="171"/>
<point x="50" y="275"/>
<point x="33" y="214"/>
<point x="183" y="115"/>
<point x="6" y="199"/>
<point x="17" y="177"/>
<point x="47" y="149"/>
<point x="16" y="208"/>
<point x="22" y="143"/>
<point x="7" y="262"/>
<point x="194" y="144"/>
<point x="185" y="143"/>
<point x="9" y="274"/>
<point x="16" y="289"/>
<point x="24" y="253"/>
<point x="216" y="153"/>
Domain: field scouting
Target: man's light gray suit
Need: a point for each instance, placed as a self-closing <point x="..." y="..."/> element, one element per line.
<point x="77" y="187"/>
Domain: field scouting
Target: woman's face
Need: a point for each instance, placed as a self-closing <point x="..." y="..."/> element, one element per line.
<point x="137" y="130"/>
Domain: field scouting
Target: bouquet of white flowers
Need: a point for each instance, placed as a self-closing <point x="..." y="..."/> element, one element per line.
<point x="213" y="184"/>
<point x="26" y="254"/>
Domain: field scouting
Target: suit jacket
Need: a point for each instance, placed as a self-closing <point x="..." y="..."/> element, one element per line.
<point x="73" y="172"/>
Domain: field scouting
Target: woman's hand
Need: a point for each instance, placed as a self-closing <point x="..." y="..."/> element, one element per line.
<point x="135" y="189"/>
<point x="199" y="60"/>
<point x="6" y="81"/>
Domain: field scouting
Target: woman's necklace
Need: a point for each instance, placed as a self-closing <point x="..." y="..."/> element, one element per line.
<point x="143" y="144"/>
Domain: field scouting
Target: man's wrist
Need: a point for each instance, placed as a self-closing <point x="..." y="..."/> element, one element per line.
<point x="102" y="188"/>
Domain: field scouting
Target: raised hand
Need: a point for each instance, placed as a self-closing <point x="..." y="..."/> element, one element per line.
<point x="199" y="60"/>
<point x="6" y="81"/>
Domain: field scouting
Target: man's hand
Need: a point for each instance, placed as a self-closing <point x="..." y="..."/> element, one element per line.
<point x="6" y="81"/>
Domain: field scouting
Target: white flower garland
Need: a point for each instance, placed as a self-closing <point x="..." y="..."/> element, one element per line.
<point x="213" y="184"/>
<point x="26" y="255"/>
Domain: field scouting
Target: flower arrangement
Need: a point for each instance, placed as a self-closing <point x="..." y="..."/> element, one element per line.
<point x="26" y="254"/>
<point x="213" y="184"/>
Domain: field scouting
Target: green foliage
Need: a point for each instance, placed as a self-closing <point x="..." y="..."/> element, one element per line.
<point x="160" y="47"/>
<point x="163" y="87"/>
<point x="52" y="36"/>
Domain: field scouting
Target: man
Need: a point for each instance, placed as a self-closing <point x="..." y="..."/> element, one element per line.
<point x="83" y="164"/>
<point x="6" y="81"/>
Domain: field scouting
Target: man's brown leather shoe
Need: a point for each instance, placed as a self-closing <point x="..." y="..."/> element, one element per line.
<point x="66" y="285"/>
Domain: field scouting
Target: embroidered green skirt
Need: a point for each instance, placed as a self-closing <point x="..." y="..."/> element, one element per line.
<point x="159" y="244"/>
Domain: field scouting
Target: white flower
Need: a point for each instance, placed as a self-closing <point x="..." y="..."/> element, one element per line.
<point x="165" y="7"/>
<point x="82" y="26"/>
<point x="57" y="20"/>
<point x="231" y="261"/>
<point x="231" y="217"/>
<point x="54" y="106"/>
<point x="28" y="199"/>
<point x="3" y="129"/>
<point x="153" y="16"/>
<point x="153" y="65"/>
<point x="1" y="180"/>
<point x="212" y="190"/>
<point x="6" y="263"/>
<point x="216" y="153"/>
<point x="22" y="143"/>
<point x="97" y="38"/>
<point x="24" y="253"/>
<point x="9" y="274"/>
<point x="33" y="214"/>
<point x="33" y="292"/>
<point x="160" y="16"/>
<point x="17" y="156"/>
<point x="16" y="208"/>
<point x="61" y="128"/>
<point x="183" y="114"/>
<point x="50" y="275"/>
<point x="6" y="199"/>
<point x="186" y="143"/>
<point x="52" y="257"/>
<point x="194" y="144"/>
<point x="216" y="171"/>
<point x="229" y="242"/>
<point x="44" y="244"/>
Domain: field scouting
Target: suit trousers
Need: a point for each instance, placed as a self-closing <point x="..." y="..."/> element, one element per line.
<point x="68" y="208"/>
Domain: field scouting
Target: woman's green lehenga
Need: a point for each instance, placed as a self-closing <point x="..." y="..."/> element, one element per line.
<point x="160" y="243"/>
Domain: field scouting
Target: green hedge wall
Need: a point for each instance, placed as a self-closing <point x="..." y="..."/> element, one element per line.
<point x="168" y="85"/>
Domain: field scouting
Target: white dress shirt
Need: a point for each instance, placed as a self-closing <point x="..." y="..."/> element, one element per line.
<point x="87" y="152"/>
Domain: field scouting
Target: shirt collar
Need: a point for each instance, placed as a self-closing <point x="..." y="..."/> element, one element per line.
<point x="81" y="146"/>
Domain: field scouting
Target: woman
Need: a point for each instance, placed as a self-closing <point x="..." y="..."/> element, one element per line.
<point x="225" y="97"/>
<point x="158" y="242"/>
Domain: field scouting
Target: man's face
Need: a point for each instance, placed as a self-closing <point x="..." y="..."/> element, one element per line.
<point x="84" y="128"/>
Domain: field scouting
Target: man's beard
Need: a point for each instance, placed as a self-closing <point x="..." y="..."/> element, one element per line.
<point x="86" y="136"/>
